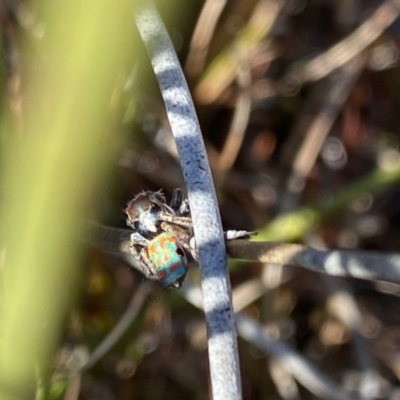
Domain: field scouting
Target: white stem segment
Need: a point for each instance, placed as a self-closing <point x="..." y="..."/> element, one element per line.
<point x="222" y="342"/>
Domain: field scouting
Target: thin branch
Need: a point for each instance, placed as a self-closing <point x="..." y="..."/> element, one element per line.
<point x="105" y="238"/>
<point x="307" y="374"/>
<point x="331" y="99"/>
<point x="284" y="382"/>
<point x="241" y="115"/>
<point x="221" y="71"/>
<point x="322" y="65"/>
<point x="222" y="342"/>
<point x="342" y="304"/>
<point x="348" y="263"/>
<point x="137" y="300"/>
<point x="247" y="293"/>
<point x="356" y="264"/>
<point x="312" y="128"/>
<point x="202" y="36"/>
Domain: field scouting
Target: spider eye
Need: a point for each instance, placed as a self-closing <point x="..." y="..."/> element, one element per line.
<point x="154" y="210"/>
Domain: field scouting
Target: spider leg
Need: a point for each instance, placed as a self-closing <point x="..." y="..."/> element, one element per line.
<point x="179" y="204"/>
<point x="147" y="266"/>
<point x="157" y="196"/>
<point x="176" y="200"/>
<point x="180" y="233"/>
<point x="136" y="239"/>
<point x="184" y="209"/>
<point x="138" y="248"/>
<point x="141" y="257"/>
<point x="158" y="199"/>
<point x="185" y="222"/>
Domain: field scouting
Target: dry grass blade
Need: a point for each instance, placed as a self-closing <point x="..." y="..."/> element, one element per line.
<point x="222" y="69"/>
<point x="241" y="115"/>
<point x="202" y="36"/>
<point x="322" y="65"/>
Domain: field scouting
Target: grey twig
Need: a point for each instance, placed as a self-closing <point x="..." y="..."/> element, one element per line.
<point x="106" y="238"/>
<point x="301" y="369"/>
<point x="343" y="306"/>
<point x="347" y="263"/>
<point x="137" y="300"/>
<point x="222" y="342"/>
<point x="357" y="264"/>
<point x="308" y="375"/>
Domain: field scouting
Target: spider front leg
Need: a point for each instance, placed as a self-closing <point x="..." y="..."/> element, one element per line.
<point x="147" y="266"/>
<point x="185" y="222"/>
<point x="179" y="204"/>
<point x="136" y="239"/>
<point x="176" y="200"/>
<point x="138" y="248"/>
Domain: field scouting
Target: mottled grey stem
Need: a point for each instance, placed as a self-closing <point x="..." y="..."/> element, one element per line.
<point x="368" y="265"/>
<point x="373" y="266"/>
<point x="222" y="342"/>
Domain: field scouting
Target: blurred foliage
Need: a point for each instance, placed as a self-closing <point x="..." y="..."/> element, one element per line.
<point x="84" y="129"/>
<point x="55" y="151"/>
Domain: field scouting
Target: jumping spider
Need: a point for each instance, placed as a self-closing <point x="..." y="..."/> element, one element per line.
<point x="163" y="241"/>
<point x="162" y="237"/>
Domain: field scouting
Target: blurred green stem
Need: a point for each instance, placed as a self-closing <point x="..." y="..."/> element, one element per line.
<point x="294" y="225"/>
<point x="60" y="156"/>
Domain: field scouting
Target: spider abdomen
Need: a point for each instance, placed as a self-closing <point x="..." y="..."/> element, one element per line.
<point x="169" y="259"/>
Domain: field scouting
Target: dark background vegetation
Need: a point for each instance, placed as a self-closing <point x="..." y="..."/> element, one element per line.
<point x="163" y="355"/>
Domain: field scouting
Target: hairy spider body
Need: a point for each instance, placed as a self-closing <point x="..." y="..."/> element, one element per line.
<point x="163" y="241"/>
<point x="162" y="258"/>
<point x="142" y="212"/>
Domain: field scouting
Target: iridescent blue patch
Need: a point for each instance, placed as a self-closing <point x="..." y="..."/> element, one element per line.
<point x="169" y="259"/>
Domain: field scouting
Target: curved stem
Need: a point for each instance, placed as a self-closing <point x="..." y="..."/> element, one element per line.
<point x="222" y="342"/>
